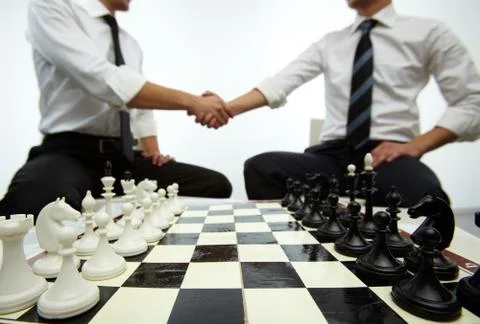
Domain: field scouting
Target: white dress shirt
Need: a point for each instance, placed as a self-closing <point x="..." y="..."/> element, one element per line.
<point x="407" y="51"/>
<point x="81" y="89"/>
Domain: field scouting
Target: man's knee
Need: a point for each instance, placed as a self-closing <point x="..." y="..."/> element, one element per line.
<point x="220" y="186"/>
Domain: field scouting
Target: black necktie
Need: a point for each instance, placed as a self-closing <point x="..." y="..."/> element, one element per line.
<point x="358" y="126"/>
<point x="126" y="134"/>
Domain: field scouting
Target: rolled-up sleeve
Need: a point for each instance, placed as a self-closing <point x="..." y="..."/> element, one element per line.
<point x="54" y="33"/>
<point x="459" y="81"/>
<point x="304" y="68"/>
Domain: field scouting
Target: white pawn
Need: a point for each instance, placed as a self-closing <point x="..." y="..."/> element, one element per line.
<point x="368" y="161"/>
<point x="89" y="241"/>
<point x="178" y="206"/>
<point x="130" y="242"/>
<point x="70" y="295"/>
<point x="148" y="230"/>
<point x="19" y="287"/>
<point x="49" y="224"/>
<point x="105" y="263"/>
<point x="113" y="230"/>
<point x="158" y="218"/>
<point x="171" y="207"/>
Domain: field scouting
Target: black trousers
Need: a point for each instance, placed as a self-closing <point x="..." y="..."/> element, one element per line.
<point x="69" y="164"/>
<point x="265" y="174"/>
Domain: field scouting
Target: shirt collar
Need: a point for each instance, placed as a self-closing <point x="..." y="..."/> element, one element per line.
<point x="386" y="17"/>
<point x="93" y="7"/>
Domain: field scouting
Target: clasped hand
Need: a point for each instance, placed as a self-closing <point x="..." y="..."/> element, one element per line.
<point x="210" y="110"/>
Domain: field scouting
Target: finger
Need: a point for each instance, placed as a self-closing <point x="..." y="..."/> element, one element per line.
<point x="224" y="114"/>
<point x="393" y="156"/>
<point x="213" y="124"/>
<point x="208" y="93"/>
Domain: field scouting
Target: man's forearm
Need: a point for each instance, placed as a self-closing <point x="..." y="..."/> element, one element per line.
<point x="436" y="137"/>
<point x="153" y="96"/>
<point x="250" y="100"/>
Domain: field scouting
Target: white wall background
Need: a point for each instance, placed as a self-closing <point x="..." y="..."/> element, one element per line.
<point x="229" y="46"/>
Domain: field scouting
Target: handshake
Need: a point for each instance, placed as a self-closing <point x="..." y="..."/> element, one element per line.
<point x="210" y="110"/>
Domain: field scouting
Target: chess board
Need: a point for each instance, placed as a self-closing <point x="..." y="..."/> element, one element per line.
<point x="242" y="263"/>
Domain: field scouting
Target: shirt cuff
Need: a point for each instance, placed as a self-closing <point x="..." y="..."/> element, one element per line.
<point x="126" y="83"/>
<point x="275" y="97"/>
<point x="144" y="128"/>
<point x="464" y="124"/>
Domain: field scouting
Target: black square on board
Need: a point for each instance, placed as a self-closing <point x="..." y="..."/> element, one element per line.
<point x="256" y="238"/>
<point x="208" y="306"/>
<point x="307" y="252"/>
<point x="224" y="227"/>
<point x="215" y="253"/>
<point x="353" y="305"/>
<point x="286" y="227"/>
<point x="270" y="275"/>
<point x="179" y="239"/>
<point x="157" y="275"/>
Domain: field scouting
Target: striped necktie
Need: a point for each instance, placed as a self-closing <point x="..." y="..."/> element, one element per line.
<point x="126" y="135"/>
<point x="358" y="126"/>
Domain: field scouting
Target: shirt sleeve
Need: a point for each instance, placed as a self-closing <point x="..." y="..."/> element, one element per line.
<point x="55" y="34"/>
<point x="459" y="81"/>
<point x="304" y="68"/>
<point x="142" y="121"/>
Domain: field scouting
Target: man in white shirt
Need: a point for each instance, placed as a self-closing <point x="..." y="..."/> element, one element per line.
<point x="92" y="98"/>
<point x="373" y="70"/>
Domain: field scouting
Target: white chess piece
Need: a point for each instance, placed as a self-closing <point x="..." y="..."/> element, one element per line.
<point x="178" y="207"/>
<point x="158" y="218"/>
<point x="130" y="242"/>
<point x="19" y="287"/>
<point x="49" y="223"/>
<point x="148" y="230"/>
<point x="113" y="230"/>
<point x="170" y="206"/>
<point x="165" y="211"/>
<point x="70" y="295"/>
<point x="105" y="263"/>
<point x="89" y="241"/>
<point x="368" y="161"/>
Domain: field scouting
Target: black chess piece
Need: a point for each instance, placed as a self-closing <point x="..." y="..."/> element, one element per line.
<point x="307" y="203"/>
<point x="351" y="180"/>
<point x="379" y="264"/>
<point x="352" y="243"/>
<point x="288" y="198"/>
<point x="366" y="225"/>
<point x="127" y="175"/>
<point x="424" y="295"/>
<point x="332" y="229"/>
<point x="297" y="202"/>
<point x="439" y="216"/>
<point x="315" y="217"/>
<point x="398" y="245"/>
<point x="107" y="169"/>
<point x="468" y="289"/>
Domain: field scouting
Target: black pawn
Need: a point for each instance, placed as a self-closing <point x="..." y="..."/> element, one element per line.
<point x="398" y="245"/>
<point x="315" y="217"/>
<point x="332" y="229"/>
<point x="288" y="198"/>
<point x="127" y="175"/>
<point x="297" y="202"/>
<point x="424" y="295"/>
<point x="352" y="243"/>
<point x="107" y="169"/>
<point x="468" y="290"/>
<point x="379" y="264"/>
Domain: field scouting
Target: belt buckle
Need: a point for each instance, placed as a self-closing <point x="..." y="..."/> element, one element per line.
<point x="106" y="146"/>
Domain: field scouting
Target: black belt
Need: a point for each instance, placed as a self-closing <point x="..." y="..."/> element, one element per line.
<point x="84" y="142"/>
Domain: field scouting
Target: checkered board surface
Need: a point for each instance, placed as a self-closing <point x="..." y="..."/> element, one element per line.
<point x="241" y="263"/>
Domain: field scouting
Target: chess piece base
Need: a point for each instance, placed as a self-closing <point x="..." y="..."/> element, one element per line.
<point x="469" y="295"/>
<point x="429" y="309"/>
<point x="444" y="268"/>
<point x="59" y="309"/>
<point x="15" y="302"/>
<point x="49" y="266"/>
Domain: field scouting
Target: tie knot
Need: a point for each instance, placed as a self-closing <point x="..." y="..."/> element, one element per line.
<point x="366" y="26"/>
<point x="111" y="21"/>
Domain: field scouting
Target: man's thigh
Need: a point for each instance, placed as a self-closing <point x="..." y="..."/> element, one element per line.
<point x="43" y="179"/>
<point x="410" y="176"/>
